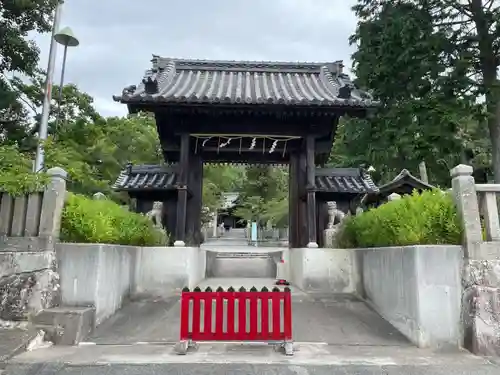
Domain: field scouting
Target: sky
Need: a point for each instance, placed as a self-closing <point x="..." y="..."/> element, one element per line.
<point x="117" y="41"/>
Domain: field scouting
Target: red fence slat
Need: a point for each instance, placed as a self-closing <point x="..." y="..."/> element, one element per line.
<point x="242" y="315"/>
<point x="230" y="316"/>
<point x="287" y="316"/>
<point x="184" y="316"/>
<point x="253" y="332"/>
<point x="264" y="303"/>
<point x="207" y="318"/>
<point x="275" y="333"/>
<point x="219" y="316"/>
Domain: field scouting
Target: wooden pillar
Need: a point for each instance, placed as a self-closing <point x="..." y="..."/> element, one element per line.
<point x="322" y="221"/>
<point x="293" y="191"/>
<point x="311" y="197"/>
<point x="302" y="231"/>
<point x="183" y="169"/>
<point x="169" y="218"/>
<point x="194" y="204"/>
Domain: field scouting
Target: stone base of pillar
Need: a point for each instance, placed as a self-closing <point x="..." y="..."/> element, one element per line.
<point x="313" y="245"/>
<point x="482" y="307"/>
<point x="329" y="237"/>
<point x="179" y="244"/>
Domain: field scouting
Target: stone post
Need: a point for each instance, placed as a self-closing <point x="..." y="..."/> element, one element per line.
<point x="465" y="195"/>
<point x="53" y="203"/>
<point x="481" y="273"/>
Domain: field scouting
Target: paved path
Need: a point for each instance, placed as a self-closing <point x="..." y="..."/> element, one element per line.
<point x="231" y="359"/>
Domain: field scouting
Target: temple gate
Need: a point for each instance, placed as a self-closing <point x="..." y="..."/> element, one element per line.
<point x="242" y="112"/>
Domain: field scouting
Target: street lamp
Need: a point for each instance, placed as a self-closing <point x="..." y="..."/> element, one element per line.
<point x="67" y="39"/>
<point x="47" y="95"/>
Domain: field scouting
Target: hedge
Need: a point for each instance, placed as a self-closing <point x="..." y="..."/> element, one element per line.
<point x="86" y="220"/>
<point x="417" y="219"/>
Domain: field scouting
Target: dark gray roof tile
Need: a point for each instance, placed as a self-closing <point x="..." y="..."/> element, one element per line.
<point x="146" y="177"/>
<point x="344" y="180"/>
<point x="240" y="82"/>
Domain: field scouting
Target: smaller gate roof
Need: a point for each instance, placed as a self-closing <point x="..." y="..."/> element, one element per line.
<point x="146" y="177"/>
<point x="245" y="82"/>
<point x="403" y="183"/>
<point x="351" y="181"/>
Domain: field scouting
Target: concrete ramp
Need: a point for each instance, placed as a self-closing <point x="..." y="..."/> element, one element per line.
<point x="326" y="319"/>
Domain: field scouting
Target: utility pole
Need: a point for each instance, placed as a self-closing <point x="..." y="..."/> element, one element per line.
<point x="42" y="131"/>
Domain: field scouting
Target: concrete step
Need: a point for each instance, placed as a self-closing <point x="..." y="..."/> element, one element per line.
<point x="243" y="255"/>
<point x="65" y="325"/>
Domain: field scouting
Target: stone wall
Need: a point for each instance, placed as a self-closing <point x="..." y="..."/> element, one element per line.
<point x="481" y="274"/>
<point x="29" y="229"/>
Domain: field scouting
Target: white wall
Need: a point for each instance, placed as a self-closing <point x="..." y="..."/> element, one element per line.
<point x="103" y="276"/>
<point x="95" y="275"/>
<point x="163" y="270"/>
<point x="418" y="290"/>
<point x="323" y="270"/>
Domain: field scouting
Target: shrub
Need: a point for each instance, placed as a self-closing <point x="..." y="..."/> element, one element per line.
<point x="17" y="177"/>
<point x="85" y="220"/>
<point x="417" y="219"/>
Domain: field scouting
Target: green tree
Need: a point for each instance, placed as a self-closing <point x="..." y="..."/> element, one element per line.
<point x="420" y="60"/>
<point x="19" y="55"/>
<point x="218" y="179"/>
<point x="264" y="195"/>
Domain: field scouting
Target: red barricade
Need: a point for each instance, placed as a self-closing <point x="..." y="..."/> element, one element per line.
<point x="266" y="316"/>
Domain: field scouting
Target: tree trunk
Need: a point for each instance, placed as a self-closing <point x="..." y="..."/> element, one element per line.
<point x="494" y="128"/>
<point x="488" y="65"/>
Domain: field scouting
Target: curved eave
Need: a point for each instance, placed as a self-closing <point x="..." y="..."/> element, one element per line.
<point x="149" y="100"/>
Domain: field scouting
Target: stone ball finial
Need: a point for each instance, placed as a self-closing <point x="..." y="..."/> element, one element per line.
<point x="461" y="170"/>
<point x="57" y="172"/>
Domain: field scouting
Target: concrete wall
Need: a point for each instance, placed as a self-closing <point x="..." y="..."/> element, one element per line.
<point x="162" y="270"/>
<point x="323" y="270"/>
<point x="417" y="289"/>
<point x="103" y="276"/>
<point x="96" y="275"/>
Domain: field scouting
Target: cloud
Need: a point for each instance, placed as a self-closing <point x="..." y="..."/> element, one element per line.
<point x="118" y="37"/>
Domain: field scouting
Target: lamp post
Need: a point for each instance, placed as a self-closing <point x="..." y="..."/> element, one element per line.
<point x="42" y="131"/>
<point x="67" y="39"/>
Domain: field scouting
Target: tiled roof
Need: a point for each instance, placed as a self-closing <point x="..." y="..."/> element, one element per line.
<point x="146" y="177"/>
<point x="240" y="82"/>
<point x="404" y="182"/>
<point x="344" y="180"/>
